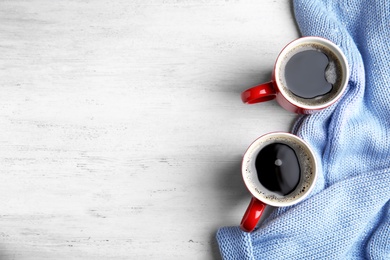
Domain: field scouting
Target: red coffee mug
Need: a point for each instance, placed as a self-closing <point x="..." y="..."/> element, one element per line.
<point x="261" y="196"/>
<point x="337" y="73"/>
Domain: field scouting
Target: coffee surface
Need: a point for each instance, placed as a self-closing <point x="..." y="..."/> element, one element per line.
<point x="278" y="168"/>
<point x="306" y="74"/>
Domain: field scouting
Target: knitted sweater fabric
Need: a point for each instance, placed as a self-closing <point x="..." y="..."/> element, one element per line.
<point x="347" y="215"/>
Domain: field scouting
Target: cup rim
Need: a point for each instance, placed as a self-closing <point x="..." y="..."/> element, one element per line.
<point x="252" y="188"/>
<point x="322" y="41"/>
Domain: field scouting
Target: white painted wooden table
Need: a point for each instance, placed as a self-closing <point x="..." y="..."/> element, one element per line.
<point x="121" y="124"/>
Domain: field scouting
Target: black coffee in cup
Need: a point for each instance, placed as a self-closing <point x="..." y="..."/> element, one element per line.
<point x="278" y="168"/>
<point x="305" y="74"/>
<point x="311" y="74"/>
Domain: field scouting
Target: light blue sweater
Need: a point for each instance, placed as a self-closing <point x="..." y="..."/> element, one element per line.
<point x="347" y="216"/>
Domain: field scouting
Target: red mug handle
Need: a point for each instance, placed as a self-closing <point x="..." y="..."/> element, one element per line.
<point x="260" y="93"/>
<point x="252" y="215"/>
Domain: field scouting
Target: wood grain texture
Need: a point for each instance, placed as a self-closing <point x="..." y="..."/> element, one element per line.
<point x="121" y="125"/>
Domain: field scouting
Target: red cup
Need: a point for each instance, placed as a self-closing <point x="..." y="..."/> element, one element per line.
<point x="261" y="196"/>
<point x="337" y="74"/>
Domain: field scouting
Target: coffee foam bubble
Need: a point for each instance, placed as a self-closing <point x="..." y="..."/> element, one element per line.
<point x="334" y="74"/>
<point x="307" y="178"/>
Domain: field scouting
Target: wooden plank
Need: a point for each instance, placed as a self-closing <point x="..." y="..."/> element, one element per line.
<point x="121" y="125"/>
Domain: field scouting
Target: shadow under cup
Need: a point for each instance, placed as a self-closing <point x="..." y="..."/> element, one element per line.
<point x="263" y="196"/>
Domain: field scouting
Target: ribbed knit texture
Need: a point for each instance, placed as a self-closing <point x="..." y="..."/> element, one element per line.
<point x="347" y="216"/>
